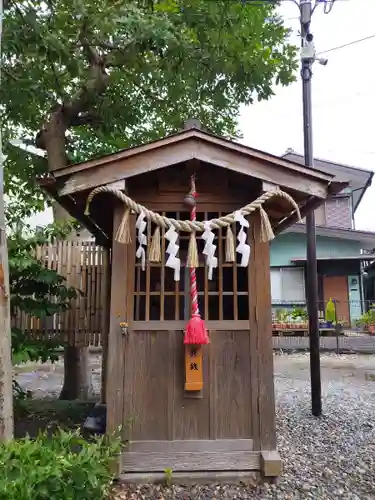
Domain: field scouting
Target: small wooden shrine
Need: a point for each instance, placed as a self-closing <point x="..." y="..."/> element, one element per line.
<point x="187" y="222"/>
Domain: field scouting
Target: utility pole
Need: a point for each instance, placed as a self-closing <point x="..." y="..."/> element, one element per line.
<point x="307" y="59"/>
<point x="6" y="388"/>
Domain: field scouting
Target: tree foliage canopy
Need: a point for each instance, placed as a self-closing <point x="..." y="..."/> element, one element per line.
<point x="87" y="77"/>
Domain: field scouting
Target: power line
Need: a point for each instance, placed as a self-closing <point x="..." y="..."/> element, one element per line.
<point x="276" y="2"/>
<point x="347" y="44"/>
<point x="326" y="3"/>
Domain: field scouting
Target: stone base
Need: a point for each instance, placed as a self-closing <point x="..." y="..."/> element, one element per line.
<point x="197" y="461"/>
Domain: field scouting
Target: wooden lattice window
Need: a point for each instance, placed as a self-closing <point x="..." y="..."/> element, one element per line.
<point x="157" y="297"/>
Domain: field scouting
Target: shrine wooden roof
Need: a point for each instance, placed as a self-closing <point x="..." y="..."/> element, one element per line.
<point x="71" y="185"/>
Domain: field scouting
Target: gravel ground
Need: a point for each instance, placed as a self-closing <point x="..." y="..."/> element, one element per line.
<point x="328" y="458"/>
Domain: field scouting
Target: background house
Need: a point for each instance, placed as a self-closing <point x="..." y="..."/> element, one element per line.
<point x="340" y="248"/>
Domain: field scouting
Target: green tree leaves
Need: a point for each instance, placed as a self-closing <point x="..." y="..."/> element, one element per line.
<point x="99" y="75"/>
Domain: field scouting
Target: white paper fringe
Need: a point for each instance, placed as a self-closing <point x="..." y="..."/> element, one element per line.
<point x="209" y="249"/>
<point x="173" y="261"/>
<point x="242" y="248"/>
<point x="141" y="226"/>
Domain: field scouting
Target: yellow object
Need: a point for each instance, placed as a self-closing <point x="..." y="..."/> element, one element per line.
<point x="193" y="368"/>
<point x="330" y="312"/>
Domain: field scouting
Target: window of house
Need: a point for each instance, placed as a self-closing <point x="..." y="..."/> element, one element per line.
<point x="157" y="297"/>
<point x="288" y="285"/>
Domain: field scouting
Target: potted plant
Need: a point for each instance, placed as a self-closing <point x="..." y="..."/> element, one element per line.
<point x="277" y="323"/>
<point x="371" y="320"/>
<point x="284" y="318"/>
<point x="367" y="320"/>
<point x="299" y="316"/>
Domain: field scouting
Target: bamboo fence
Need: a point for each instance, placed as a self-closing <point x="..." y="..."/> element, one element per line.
<point x="83" y="265"/>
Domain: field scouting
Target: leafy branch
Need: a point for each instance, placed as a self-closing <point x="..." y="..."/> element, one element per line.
<point x="94" y="76"/>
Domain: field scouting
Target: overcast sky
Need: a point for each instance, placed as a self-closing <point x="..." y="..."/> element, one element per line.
<point x="343" y="98"/>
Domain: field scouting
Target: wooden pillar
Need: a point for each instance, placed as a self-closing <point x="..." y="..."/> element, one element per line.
<point x="120" y="267"/>
<point x="106" y="305"/>
<point x="260" y="315"/>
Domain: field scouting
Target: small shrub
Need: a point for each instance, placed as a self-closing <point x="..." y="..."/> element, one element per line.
<point x="168" y="473"/>
<point x="65" y="467"/>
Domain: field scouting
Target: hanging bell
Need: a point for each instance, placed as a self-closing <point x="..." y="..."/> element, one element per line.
<point x="189" y="200"/>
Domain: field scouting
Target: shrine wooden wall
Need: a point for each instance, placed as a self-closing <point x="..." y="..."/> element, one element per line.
<point x="145" y="389"/>
<point x="159" y="409"/>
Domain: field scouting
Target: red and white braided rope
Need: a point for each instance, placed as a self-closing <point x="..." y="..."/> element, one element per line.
<point x="193" y="276"/>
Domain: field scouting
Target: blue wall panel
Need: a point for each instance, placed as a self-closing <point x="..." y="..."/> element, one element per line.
<point x="293" y="246"/>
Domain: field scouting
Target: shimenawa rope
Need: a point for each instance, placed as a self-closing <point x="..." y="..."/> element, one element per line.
<point x="198" y="226"/>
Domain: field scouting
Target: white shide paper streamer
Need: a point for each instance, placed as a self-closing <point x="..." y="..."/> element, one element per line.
<point x="209" y="249"/>
<point x="242" y="248"/>
<point x="172" y="250"/>
<point x="141" y="225"/>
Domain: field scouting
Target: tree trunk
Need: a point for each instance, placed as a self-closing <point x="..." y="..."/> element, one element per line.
<point x="77" y="379"/>
<point x="77" y="375"/>
<point x="106" y="290"/>
<point x="77" y="371"/>
<point x="6" y="372"/>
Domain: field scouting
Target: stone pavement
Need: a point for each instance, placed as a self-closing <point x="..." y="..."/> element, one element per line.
<point x="358" y="344"/>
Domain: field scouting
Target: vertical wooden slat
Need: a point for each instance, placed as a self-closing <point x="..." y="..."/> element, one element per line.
<point x="70" y="282"/>
<point x="78" y="285"/>
<point x="50" y="263"/>
<point x="235" y="295"/>
<point x="89" y="289"/>
<point x="162" y="274"/>
<point x="58" y="262"/>
<point x="221" y="259"/>
<point x="100" y="304"/>
<point x="116" y="341"/>
<point x="73" y="283"/>
<point x="177" y="290"/>
<point x="129" y="279"/>
<point x="125" y="384"/>
<point x="148" y="272"/>
<point x="138" y="297"/>
<point x="105" y="298"/>
<point x="84" y="299"/>
<point x="91" y="332"/>
<point x="261" y="355"/>
<point x="205" y="296"/>
<point x="98" y="285"/>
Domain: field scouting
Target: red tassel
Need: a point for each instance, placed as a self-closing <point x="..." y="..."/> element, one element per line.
<point x="196" y="333"/>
